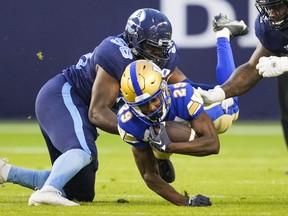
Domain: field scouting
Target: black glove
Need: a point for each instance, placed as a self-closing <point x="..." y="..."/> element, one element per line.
<point x="161" y="140"/>
<point x="198" y="200"/>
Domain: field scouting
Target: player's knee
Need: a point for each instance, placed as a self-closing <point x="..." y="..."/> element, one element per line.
<point x="224" y="122"/>
<point x="82" y="186"/>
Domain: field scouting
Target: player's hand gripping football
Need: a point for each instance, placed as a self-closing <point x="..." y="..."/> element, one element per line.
<point x="272" y="66"/>
<point x="198" y="200"/>
<point x="159" y="140"/>
<point x="212" y="95"/>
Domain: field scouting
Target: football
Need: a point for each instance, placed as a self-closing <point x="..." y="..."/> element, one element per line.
<point x="178" y="131"/>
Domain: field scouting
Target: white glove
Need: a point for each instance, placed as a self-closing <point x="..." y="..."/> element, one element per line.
<point x="225" y="104"/>
<point x="272" y="66"/>
<point x="212" y="95"/>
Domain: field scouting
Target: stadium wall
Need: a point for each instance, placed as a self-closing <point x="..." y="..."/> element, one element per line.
<point x="40" y="38"/>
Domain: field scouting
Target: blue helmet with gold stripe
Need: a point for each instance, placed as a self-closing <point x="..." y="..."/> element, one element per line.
<point x="145" y="91"/>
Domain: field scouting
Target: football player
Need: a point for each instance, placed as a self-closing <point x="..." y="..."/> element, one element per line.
<point x="149" y="102"/>
<point x="82" y="97"/>
<point x="268" y="60"/>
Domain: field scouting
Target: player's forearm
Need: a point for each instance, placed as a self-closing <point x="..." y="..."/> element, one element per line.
<point x="242" y="80"/>
<point x="163" y="189"/>
<point x="202" y="146"/>
<point x="106" y="121"/>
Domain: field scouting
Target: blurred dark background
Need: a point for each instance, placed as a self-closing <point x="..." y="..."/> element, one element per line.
<point x="40" y="38"/>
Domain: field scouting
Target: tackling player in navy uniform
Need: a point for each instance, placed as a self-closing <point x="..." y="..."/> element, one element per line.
<point x="268" y="60"/>
<point x="149" y="102"/>
<point x="71" y="105"/>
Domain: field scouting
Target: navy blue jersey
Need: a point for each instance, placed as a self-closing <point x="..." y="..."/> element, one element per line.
<point x="186" y="104"/>
<point x="274" y="40"/>
<point x="113" y="55"/>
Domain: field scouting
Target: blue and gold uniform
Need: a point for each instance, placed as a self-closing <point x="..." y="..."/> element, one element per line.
<point x="186" y="104"/>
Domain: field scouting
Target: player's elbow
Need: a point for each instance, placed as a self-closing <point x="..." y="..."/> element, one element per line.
<point x="216" y="150"/>
<point x="150" y="179"/>
<point x="92" y="115"/>
<point x="95" y="115"/>
<point x="215" y="146"/>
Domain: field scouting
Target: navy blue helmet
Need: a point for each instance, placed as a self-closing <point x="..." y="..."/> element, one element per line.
<point x="148" y="33"/>
<point x="274" y="13"/>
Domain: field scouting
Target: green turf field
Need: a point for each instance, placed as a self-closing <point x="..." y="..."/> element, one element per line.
<point x="247" y="177"/>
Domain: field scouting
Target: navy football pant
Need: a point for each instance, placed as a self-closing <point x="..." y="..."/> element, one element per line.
<point x="63" y="119"/>
<point x="283" y="100"/>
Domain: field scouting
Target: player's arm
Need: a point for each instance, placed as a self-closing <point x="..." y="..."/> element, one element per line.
<point x="245" y="76"/>
<point x="104" y="94"/>
<point x="148" y="168"/>
<point x="242" y="80"/>
<point x="175" y="76"/>
<point x="205" y="143"/>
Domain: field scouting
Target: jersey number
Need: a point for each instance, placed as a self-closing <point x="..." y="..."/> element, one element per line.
<point x="126" y="115"/>
<point x="125" y="51"/>
<point x="179" y="91"/>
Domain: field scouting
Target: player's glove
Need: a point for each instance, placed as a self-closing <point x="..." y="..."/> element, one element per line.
<point x="225" y="104"/>
<point x="198" y="200"/>
<point x="161" y="140"/>
<point x="272" y="66"/>
<point x="212" y="95"/>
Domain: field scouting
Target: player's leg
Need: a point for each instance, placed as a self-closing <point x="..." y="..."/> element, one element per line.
<point x="283" y="100"/>
<point x="224" y="69"/>
<point x="64" y="119"/>
<point x="225" y="30"/>
<point x="225" y="61"/>
<point x="81" y="186"/>
<point x="24" y="177"/>
<point x="224" y="113"/>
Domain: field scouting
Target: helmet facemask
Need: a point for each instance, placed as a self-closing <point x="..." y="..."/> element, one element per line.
<point x="160" y="113"/>
<point x="273" y="13"/>
<point x="145" y="91"/>
<point x="148" y="33"/>
<point x="156" y="52"/>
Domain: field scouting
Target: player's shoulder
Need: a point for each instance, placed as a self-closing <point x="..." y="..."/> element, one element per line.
<point x="271" y="39"/>
<point x="186" y="101"/>
<point x="110" y="44"/>
<point x="264" y="33"/>
<point x="173" y="58"/>
<point x="127" y="119"/>
<point x="113" y="55"/>
<point x="131" y="129"/>
<point x="261" y="29"/>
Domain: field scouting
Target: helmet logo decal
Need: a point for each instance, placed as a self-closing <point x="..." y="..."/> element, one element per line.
<point x="139" y="14"/>
<point x="135" y="20"/>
